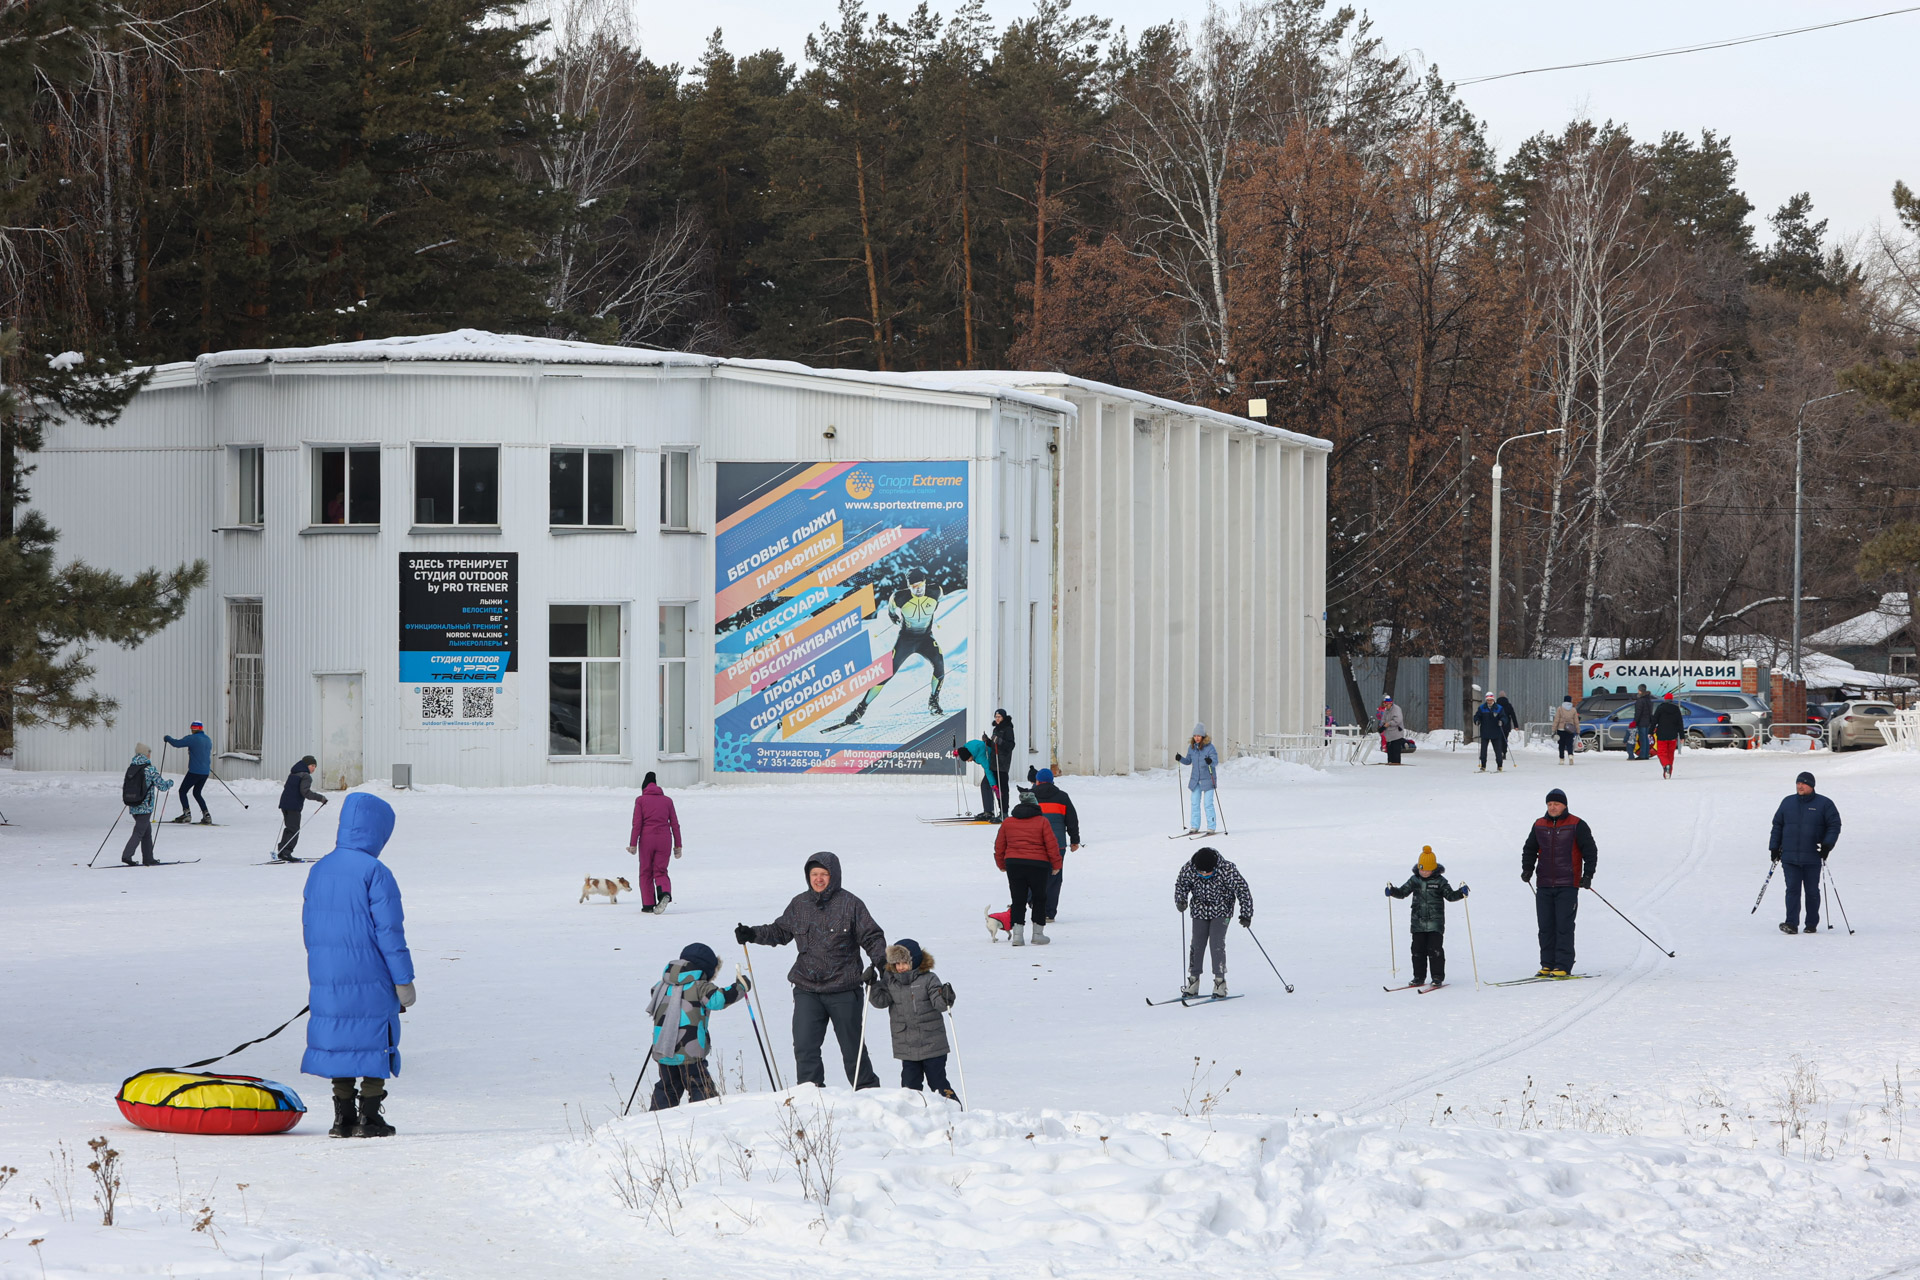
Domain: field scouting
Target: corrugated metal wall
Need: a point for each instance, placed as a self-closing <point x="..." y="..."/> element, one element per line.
<point x="330" y="597"/>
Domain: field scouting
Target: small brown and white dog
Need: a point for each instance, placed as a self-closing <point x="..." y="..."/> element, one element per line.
<point x="609" y="888"/>
<point x="999" y="923"/>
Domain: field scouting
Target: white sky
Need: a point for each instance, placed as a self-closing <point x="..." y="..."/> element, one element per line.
<point x="1829" y="112"/>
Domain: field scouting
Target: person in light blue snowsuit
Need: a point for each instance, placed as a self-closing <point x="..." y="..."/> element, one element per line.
<point x="1203" y="778"/>
<point x="359" y="971"/>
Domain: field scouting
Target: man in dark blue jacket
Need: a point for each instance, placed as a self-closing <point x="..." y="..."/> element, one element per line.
<point x="1806" y="826"/>
<point x="1490" y="725"/>
<point x="293" y="802"/>
<point x="199" y="768"/>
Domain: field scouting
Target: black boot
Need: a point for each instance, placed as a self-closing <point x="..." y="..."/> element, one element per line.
<point x="183" y="818"/>
<point x="372" y="1125"/>
<point x="345" y="1120"/>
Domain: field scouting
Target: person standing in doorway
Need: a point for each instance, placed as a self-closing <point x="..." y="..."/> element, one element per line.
<point x="656" y="839"/>
<point x="1560" y="848"/>
<point x="1393" y="728"/>
<point x="830" y="928"/>
<point x="1490" y="726"/>
<point x="199" y="768"/>
<point x="1806" y="826"/>
<point x="1566" y="728"/>
<point x="1668" y="722"/>
<point x="293" y="803"/>
<point x="1202" y="779"/>
<point x="139" y="791"/>
<point x="1000" y="741"/>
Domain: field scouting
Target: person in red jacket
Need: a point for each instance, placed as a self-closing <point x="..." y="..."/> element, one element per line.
<point x="656" y="834"/>
<point x="1028" y="851"/>
<point x="1560" y="848"/>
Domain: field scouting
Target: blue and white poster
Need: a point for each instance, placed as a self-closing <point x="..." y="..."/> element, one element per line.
<point x="459" y="656"/>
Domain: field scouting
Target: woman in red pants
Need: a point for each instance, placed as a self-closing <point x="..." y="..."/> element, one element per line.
<point x="656" y="836"/>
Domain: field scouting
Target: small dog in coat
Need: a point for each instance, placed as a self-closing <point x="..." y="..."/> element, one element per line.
<point x="610" y="889"/>
<point x="999" y="923"/>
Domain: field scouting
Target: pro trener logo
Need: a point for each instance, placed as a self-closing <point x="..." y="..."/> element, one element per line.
<point x="859" y="484"/>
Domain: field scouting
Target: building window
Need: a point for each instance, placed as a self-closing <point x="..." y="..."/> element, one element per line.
<point x="673" y="680"/>
<point x="1903" y="664"/>
<point x="456" y="485"/>
<point x="246" y="677"/>
<point x="583" y="680"/>
<point x="346" y="485"/>
<point x="249" y="485"/>
<point x="676" y="469"/>
<point x="583" y="488"/>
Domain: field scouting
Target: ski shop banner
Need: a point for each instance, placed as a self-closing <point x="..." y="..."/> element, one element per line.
<point x="1660" y="676"/>
<point x="459" y="660"/>
<point x="841" y="616"/>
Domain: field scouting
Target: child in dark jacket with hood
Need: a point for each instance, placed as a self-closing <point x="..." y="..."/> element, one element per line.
<point x="914" y="998"/>
<point x="683" y="1000"/>
<point x="1431" y="893"/>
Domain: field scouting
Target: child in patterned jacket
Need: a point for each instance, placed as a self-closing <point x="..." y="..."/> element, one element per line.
<point x="1213" y="886"/>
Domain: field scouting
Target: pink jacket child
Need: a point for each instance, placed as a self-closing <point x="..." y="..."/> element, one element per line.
<point x="656" y="832"/>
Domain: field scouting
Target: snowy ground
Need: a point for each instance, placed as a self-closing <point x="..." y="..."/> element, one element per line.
<point x="1737" y="1110"/>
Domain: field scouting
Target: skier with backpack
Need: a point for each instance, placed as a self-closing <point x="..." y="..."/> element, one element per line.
<point x="1213" y="886"/>
<point x="682" y="1001"/>
<point x="199" y="749"/>
<point x="1431" y="893"/>
<point x="138" y="791"/>
<point x="1201" y="780"/>
<point x="293" y="802"/>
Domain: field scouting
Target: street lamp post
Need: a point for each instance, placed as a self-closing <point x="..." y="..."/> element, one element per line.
<point x="1799" y="493"/>
<point x="1493" y="566"/>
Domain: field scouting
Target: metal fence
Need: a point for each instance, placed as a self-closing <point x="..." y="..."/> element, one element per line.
<point x="1535" y="686"/>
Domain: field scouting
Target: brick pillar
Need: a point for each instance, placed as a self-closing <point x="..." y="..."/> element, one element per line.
<point x="1574" y="671"/>
<point x="1777" y="699"/>
<point x="1796" y="701"/>
<point x="1749" y="677"/>
<point x="1436" y="694"/>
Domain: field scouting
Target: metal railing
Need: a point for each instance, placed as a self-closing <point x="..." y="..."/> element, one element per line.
<point x="1341" y="744"/>
<point x="1781" y="731"/>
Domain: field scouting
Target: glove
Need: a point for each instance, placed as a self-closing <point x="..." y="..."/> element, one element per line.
<point x="1586" y="882"/>
<point x="1388" y="891"/>
<point x="871" y="976"/>
<point x="1824" y="851"/>
<point x="1776" y="855"/>
<point x="633" y="848"/>
<point x="946" y="993"/>
<point x="1465" y="891"/>
<point x="676" y="853"/>
<point x="743" y="982"/>
<point x="743" y="934"/>
<point x="322" y="799"/>
<point x="1246" y="922"/>
<point x="405" y="991"/>
<point x="1527" y="876"/>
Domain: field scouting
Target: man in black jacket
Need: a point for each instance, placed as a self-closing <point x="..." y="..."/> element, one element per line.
<point x="1490" y="726"/>
<point x="1057" y="805"/>
<point x="293" y="802"/>
<point x="830" y="927"/>
<point x="1000" y="742"/>
<point x="1669" y="722"/>
<point x="1560" y="847"/>
<point x="1642" y="725"/>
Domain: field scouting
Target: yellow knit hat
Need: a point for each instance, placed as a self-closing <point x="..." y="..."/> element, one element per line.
<point x="1427" y="861"/>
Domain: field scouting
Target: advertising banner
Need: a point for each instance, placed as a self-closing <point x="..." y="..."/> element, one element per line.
<point x="841" y="616"/>
<point x="459" y="656"/>
<point x="1661" y="676"/>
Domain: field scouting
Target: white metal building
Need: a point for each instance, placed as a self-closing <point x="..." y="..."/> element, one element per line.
<point x="504" y="560"/>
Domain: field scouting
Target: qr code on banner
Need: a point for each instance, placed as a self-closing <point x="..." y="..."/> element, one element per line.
<point x="476" y="703"/>
<point x="436" y="703"/>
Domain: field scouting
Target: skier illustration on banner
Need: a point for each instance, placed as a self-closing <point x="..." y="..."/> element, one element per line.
<point x="913" y="611"/>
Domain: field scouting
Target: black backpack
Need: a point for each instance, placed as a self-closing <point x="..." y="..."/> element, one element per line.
<point x="133" y="787"/>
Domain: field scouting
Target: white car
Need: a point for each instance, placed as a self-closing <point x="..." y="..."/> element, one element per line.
<point x="1858" y="724"/>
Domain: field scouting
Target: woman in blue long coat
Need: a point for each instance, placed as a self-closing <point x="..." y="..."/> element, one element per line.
<point x="359" y="972"/>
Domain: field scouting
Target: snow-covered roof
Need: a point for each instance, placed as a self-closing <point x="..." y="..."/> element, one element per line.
<point x="1872" y="628"/>
<point x="1035" y="379"/>
<point x="1824" y="671"/>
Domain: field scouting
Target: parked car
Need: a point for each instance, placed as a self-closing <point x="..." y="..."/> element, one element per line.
<point x="1701" y="727"/>
<point x="1749" y="712"/>
<point x="1857" y="724"/>
<point x="1818" y="713"/>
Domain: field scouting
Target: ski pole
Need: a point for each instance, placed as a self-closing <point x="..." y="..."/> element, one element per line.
<point x="109" y="835"/>
<point x="159" y="798"/>
<point x="860" y="1058"/>
<point x="766" y="1059"/>
<point x="1183" y="950"/>
<point x="1270" y="964"/>
<point x="1835" y="891"/>
<point x="1763" y="887"/>
<point x="636" y="1088"/>
<point x="1221" y="810"/>
<point x="1471" y="953"/>
<point x="1393" y="956"/>
<point x="223" y="782"/>
<point x="959" y="1063"/>
<point x="754" y="994"/>
<point x="1623" y="915"/>
<point x="1179" y="799"/>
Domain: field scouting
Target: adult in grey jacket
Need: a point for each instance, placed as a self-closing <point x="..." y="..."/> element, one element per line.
<point x="830" y="927"/>
<point x="1806" y="826"/>
<point x="1393" y="728"/>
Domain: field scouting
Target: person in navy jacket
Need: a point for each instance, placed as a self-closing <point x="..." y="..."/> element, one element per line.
<point x="359" y="971"/>
<point x="1806" y="826"/>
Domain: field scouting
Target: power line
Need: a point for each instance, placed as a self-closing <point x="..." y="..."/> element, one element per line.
<point x="1693" y="48"/>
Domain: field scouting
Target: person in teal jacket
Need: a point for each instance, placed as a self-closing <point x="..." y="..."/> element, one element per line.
<point x="683" y="1000"/>
<point x="981" y="754"/>
<point x="144" y="779"/>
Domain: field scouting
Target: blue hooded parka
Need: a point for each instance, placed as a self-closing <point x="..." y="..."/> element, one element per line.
<point x="356" y="950"/>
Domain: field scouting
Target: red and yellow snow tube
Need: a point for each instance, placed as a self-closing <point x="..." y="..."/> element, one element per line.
<point x="174" y="1101"/>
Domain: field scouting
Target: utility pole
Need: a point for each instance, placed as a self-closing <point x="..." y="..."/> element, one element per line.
<point x="1493" y="565"/>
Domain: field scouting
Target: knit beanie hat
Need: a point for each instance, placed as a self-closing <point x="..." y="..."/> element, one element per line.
<point x="1044" y="777"/>
<point x="142" y="749"/>
<point x="906" y="951"/>
<point x="1556" y="795"/>
<point x="1667" y="696"/>
<point x="1199" y="729"/>
<point x="1427" y="861"/>
<point x="700" y="956"/>
<point x="1806" y="778"/>
<point x="1206" y="859"/>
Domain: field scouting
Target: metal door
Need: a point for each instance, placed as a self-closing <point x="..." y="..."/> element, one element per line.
<point x="340" y="732"/>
